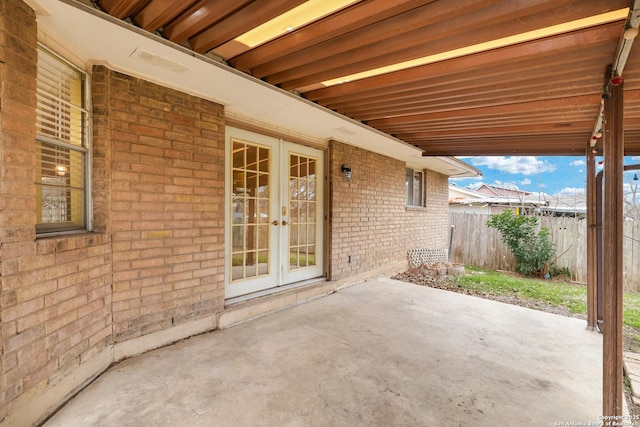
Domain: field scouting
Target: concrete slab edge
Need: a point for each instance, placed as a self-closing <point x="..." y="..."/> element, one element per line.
<point x="43" y="400"/>
<point x="254" y="309"/>
<point x="136" y="346"/>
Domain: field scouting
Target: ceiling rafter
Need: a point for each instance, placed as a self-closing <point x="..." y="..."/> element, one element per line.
<point x="345" y="21"/>
<point x="494" y="22"/>
<point x="594" y="35"/>
<point x="255" y="13"/>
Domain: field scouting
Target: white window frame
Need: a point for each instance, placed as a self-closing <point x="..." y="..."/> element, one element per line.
<point x="53" y="228"/>
<point x="409" y="187"/>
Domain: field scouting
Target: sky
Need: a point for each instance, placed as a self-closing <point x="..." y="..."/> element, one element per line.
<point x="552" y="175"/>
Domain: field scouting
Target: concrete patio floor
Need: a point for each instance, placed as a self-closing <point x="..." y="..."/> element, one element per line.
<point x="380" y="353"/>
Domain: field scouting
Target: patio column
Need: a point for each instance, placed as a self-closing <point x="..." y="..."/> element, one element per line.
<point x="592" y="253"/>
<point x="613" y="256"/>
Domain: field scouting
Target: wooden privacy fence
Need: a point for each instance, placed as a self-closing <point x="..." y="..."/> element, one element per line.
<point x="476" y="244"/>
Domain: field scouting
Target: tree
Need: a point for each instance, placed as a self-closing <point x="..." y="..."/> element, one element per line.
<point x="530" y="244"/>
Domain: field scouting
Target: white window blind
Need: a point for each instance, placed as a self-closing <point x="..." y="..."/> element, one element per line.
<point x="414" y="187"/>
<point x="62" y="145"/>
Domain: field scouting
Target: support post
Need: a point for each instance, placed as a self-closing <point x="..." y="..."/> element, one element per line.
<point x="592" y="256"/>
<point x="613" y="235"/>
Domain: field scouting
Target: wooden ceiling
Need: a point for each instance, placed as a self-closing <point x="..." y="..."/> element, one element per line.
<point x="540" y="96"/>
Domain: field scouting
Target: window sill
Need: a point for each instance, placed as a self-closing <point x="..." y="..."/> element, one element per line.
<point x="415" y="208"/>
<point x="60" y="242"/>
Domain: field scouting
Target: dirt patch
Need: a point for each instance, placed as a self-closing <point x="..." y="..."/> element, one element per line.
<point x="432" y="275"/>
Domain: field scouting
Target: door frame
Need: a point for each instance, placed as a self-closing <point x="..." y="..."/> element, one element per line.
<point x="236" y="130"/>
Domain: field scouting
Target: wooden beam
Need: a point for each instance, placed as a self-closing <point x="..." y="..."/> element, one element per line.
<point x="122" y="8"/>
<point x="200" y="16"/>
<point x="505" y="131"/>
<point x="345" y="21"/>
<point x="514" y="71"/>
<point x="256" y="13"/>
<point x="548" y="104"/>
<point x="401" y="28"/>
<point x="434" y="34"/>
<point x="534" y="86"/>
<point x="613" y="239"/>
<point x="592" y="255"/>
<point x="523" y="145"/>
<point x="528" y="50"/>
<point x="158" y="13"/>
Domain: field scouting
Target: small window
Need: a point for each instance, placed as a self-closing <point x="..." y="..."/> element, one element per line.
<point x="414" y="184"/>
<point x="62" y="145"/>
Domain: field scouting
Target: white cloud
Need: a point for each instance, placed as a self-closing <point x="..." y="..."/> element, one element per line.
<point x="579" y="162"/>
<point x="503" y="184"/>
<point x="571" y="191"/>
<point x="475" y="185"/>
<point x="525" y="181"/>
<point x="525" y="165"/>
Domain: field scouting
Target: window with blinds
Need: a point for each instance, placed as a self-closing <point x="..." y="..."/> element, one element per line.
<point x="62" y="145"/>
<point x="414" y="187"/>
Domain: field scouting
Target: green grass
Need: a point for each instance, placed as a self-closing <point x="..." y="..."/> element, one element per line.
<point x="631" y="309"/>
<point x="558" y="294"/>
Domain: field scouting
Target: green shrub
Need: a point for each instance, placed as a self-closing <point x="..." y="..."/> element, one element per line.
<point x="531" y="248"/>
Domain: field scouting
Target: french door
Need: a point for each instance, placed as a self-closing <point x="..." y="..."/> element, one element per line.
<point x="274" y="217"/>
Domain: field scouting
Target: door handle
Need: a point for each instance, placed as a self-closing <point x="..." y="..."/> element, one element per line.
<point x="284" y="222"/>
<point x="275" y="222"/>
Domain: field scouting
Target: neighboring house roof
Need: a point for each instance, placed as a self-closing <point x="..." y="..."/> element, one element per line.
<point x="465" y="196"/>
<point x="567" y="204"/>
<point x="456" y="193"/>
<point x="498" y="191"/>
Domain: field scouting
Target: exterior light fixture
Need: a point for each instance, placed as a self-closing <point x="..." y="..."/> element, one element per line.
<point x="635" y="177"/>
<point x="606" y="94"/>
<point x="346" y="172"/>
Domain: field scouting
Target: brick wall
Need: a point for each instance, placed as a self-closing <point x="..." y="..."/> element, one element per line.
<point x="369" y="219"/>
<point x="17" y="188"/>
<point x="156" y="256"/>
<point x="54" y="293"/>
<point x="159" y="183"/>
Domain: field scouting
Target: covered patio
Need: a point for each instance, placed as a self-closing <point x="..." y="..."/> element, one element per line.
<point x="375" y="96"/>
<point x="381" y="352"/>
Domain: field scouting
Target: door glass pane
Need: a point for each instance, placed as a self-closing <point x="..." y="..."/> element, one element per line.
<point x="303" y="211"/>
<point x="250" y="210"/>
